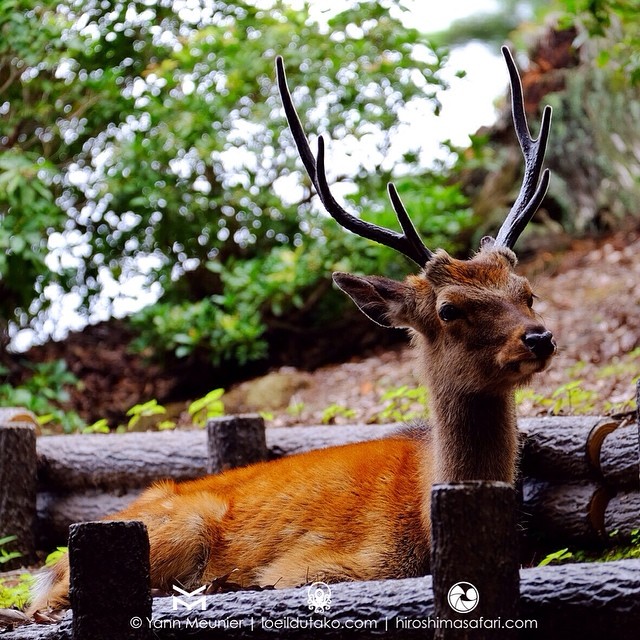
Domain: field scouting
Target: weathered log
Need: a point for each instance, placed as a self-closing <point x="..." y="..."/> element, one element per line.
<point x="587" y="601"/>
<point x="235" y="441"/>
<point x="560" y="448"/>
<point x="622" y="514"/>
<point x="572" y="512"/>
<point x="17" y="414"/>
<point x="474" y="556"/>
<point x="620" y="458"/>
<point x="109" y="580"/>
<point x="113" y="461"/>
<point x="18" y="463"/>
<point x="56" y="512"/>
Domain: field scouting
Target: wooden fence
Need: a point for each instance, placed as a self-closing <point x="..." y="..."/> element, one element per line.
<point x="581" y="480"/>
<point x="581" y="476"/>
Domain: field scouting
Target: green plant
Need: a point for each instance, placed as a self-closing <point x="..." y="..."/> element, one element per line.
<point x="295" y="408"/>
<point x="144" y="410"/>
<point x="15" y="592"/>
<point x="621" y="547"/>
<point x="402" y="404"/>
<point x="55" y="555"/>
<point x="570" y="398"/>
<point x="556" y="556"/>
<point x="210" y="406"/>
<point x="100" y="426"/>
<point x="334" y="411"/>
<point x="573" y="397"/>
<point x="44" y="392"/>
<point x="5" y="555"/>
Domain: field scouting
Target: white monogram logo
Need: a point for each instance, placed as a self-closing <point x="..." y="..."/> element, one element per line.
<point x="202" y="600"/>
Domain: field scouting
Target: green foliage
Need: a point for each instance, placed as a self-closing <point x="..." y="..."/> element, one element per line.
<point x="494" y="28"/>
<point x="402" y="405"/>
<point x="334" y="411"/>
<point x="144" y="140"/>
<point x="613" y="26"/>
<point x="294" y="281"/>
<point x="16" y="593"/>
<point x="56" y="555"/>
<point x="621" y="548"/>
<point x="211" y="406"/>
<point x="295" y="408"/>
<point x="5" y="555"/>
<point x="570" y="398"/>
<point x="45" y="392"/>
<point x="583" y="394"/>
<point x="556" y="556"/>
<point x="144" y="410"/>
<point x="99" y="426"/>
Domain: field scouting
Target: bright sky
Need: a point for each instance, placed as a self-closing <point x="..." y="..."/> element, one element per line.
<point x="466" y="106"/>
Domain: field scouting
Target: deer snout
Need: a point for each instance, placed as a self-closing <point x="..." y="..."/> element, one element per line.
<point x="540" y="342"/>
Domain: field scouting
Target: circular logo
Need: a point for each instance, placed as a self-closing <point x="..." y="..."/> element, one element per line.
<point x="463" y="597"/>
<point x="319" y="597"/>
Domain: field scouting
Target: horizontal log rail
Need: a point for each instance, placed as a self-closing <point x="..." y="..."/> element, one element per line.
<point x="587" y="601"/>
<point x="558" y="448"/>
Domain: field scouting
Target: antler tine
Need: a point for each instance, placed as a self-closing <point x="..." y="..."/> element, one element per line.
<point x="407" y="226"/>
<point x="533" y="187"/>
<point x="407" y="243"/>
<point x="299" y="137"/>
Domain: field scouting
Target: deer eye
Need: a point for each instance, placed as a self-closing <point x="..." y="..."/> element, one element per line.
<point x="530" y="300"/>
<point x="448" y="312"/>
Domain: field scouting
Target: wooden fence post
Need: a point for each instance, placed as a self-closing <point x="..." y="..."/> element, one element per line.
<point x="474" y="559"/>
<point x="18" y="485"/>
<point x="109" y="587"/>
<point x="235" y="441"/>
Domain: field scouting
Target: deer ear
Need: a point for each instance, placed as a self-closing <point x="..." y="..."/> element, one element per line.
<point x="381" y="299"/>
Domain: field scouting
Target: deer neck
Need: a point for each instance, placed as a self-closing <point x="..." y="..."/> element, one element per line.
<point x="474" y="437"/>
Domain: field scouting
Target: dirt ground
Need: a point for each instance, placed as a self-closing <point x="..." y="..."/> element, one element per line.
<point x="589" y="296"/>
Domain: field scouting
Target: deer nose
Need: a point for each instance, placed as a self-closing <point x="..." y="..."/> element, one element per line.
<point x="540" y="342"/>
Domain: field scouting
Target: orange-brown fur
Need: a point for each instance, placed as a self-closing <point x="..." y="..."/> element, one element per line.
<point x="361" y="511"/>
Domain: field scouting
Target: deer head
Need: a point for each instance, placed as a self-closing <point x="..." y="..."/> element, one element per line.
<point x="472" y="319"/>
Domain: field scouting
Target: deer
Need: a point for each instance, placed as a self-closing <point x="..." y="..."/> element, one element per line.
<point x="362" y="511"/>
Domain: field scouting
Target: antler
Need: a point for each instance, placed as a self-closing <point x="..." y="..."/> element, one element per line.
<point x="407" y="243"/>
<point x="533" y="187"/>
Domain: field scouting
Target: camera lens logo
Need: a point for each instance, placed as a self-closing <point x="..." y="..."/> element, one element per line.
<point x="463" y="597"/>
